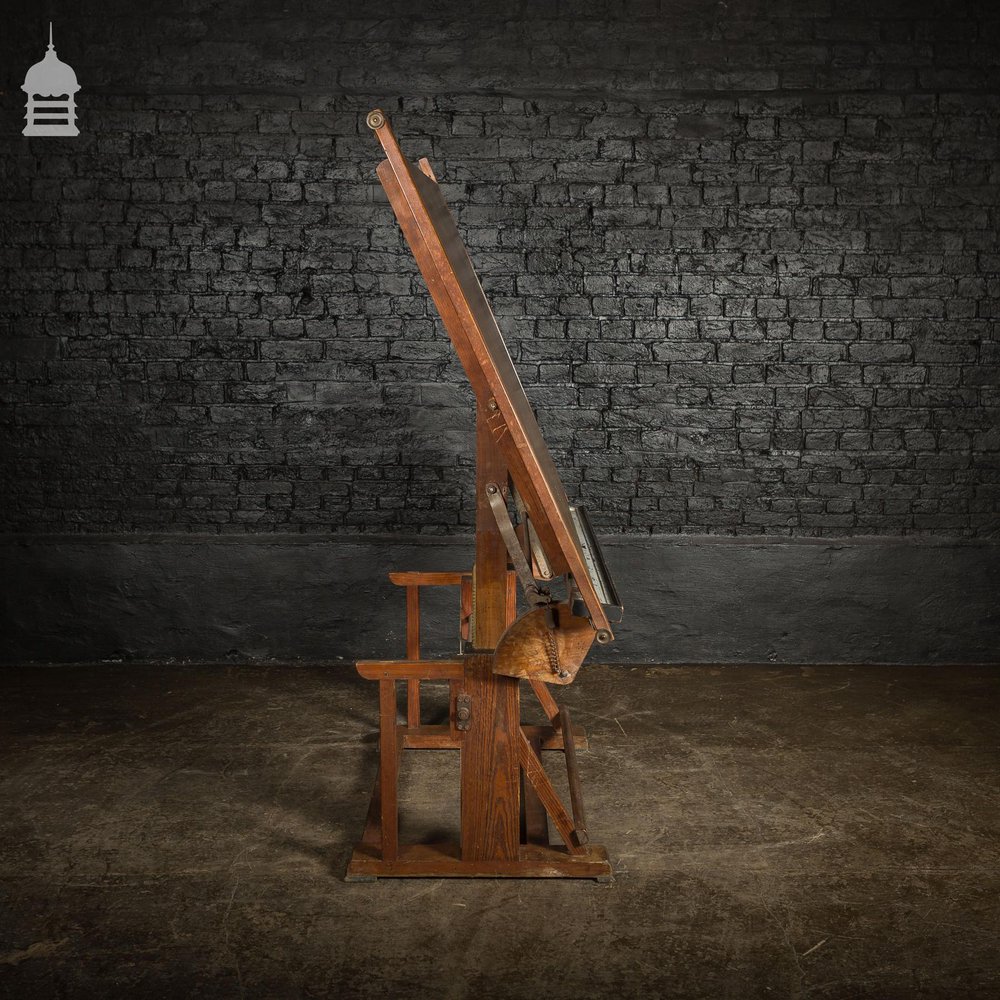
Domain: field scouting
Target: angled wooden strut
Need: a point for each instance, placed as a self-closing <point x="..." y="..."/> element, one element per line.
<point x="507" y="796"/>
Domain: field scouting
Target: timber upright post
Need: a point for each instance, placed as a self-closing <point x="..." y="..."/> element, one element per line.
<point x="490" y="770"/>
<point x="506" y="795"/>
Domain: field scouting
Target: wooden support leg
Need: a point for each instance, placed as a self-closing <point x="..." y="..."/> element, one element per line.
<point x="491" y="779"/>
<point x="536" y="826"/>
<point x="388" y="770"/>
<point x="535" y="773"/>
<point x="413" y="653"/>
<point x="491" y="812"/>
<point x="548" y="703"/>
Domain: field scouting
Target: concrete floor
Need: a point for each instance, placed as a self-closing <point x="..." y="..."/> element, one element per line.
<point x="822" y="832"/>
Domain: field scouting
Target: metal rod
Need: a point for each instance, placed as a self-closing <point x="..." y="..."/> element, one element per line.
<point x="573" y="774"/>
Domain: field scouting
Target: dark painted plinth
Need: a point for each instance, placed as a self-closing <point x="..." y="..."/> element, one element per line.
<point x="687" y="599"/>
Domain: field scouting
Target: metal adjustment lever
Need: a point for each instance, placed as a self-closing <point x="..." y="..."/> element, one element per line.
<point x="535" y="551"/>
<point x="534" y="596"/>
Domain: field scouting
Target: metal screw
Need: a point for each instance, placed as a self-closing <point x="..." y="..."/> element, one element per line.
<point x="493" y="405"/>
<point x="603" y="636"/>
<point x="491" y="488"/>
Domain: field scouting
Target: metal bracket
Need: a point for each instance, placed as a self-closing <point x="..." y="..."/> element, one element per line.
<point x="463" y="712"/>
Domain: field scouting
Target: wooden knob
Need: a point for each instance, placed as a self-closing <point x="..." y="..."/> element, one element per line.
<point x="375" y="119"/>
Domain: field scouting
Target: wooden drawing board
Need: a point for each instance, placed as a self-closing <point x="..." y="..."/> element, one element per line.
<point x="444" y="262"/>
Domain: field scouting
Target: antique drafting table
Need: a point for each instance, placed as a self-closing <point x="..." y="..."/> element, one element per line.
<point x="526" y="532"/>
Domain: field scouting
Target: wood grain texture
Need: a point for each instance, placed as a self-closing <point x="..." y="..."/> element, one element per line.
<point x="510" y="608"/>
<point x="490" y="805"/>
<point x="492" y="578"/>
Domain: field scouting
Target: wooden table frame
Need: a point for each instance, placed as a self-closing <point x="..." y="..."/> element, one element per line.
<point x="506" y="795"/>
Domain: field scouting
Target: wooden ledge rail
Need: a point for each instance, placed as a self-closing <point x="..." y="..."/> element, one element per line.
<point x="410" y="670"/>
<point x="417" y="579"/>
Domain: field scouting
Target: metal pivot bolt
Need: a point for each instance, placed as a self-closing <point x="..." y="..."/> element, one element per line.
<point x="492" y="489"/>
<point x="375" y="119"/>
<point x="603" y="636"/>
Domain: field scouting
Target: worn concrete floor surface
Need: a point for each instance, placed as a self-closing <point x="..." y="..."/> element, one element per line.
<point x="182" y="831"/>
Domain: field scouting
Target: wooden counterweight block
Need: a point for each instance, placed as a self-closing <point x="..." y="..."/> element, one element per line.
<point x="546" y="644"/>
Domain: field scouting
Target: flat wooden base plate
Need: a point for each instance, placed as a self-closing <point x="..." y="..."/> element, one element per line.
<point x="445" y="861"/>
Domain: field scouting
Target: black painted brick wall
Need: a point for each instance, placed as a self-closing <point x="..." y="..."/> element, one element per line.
<point x="745" y="257"/>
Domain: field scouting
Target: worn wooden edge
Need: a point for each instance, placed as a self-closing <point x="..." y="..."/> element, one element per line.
<point x="549" y="705"/>
<point x="425" y="166"/>
<point x="410" y="670"/>
<point x="444" y="861"/>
